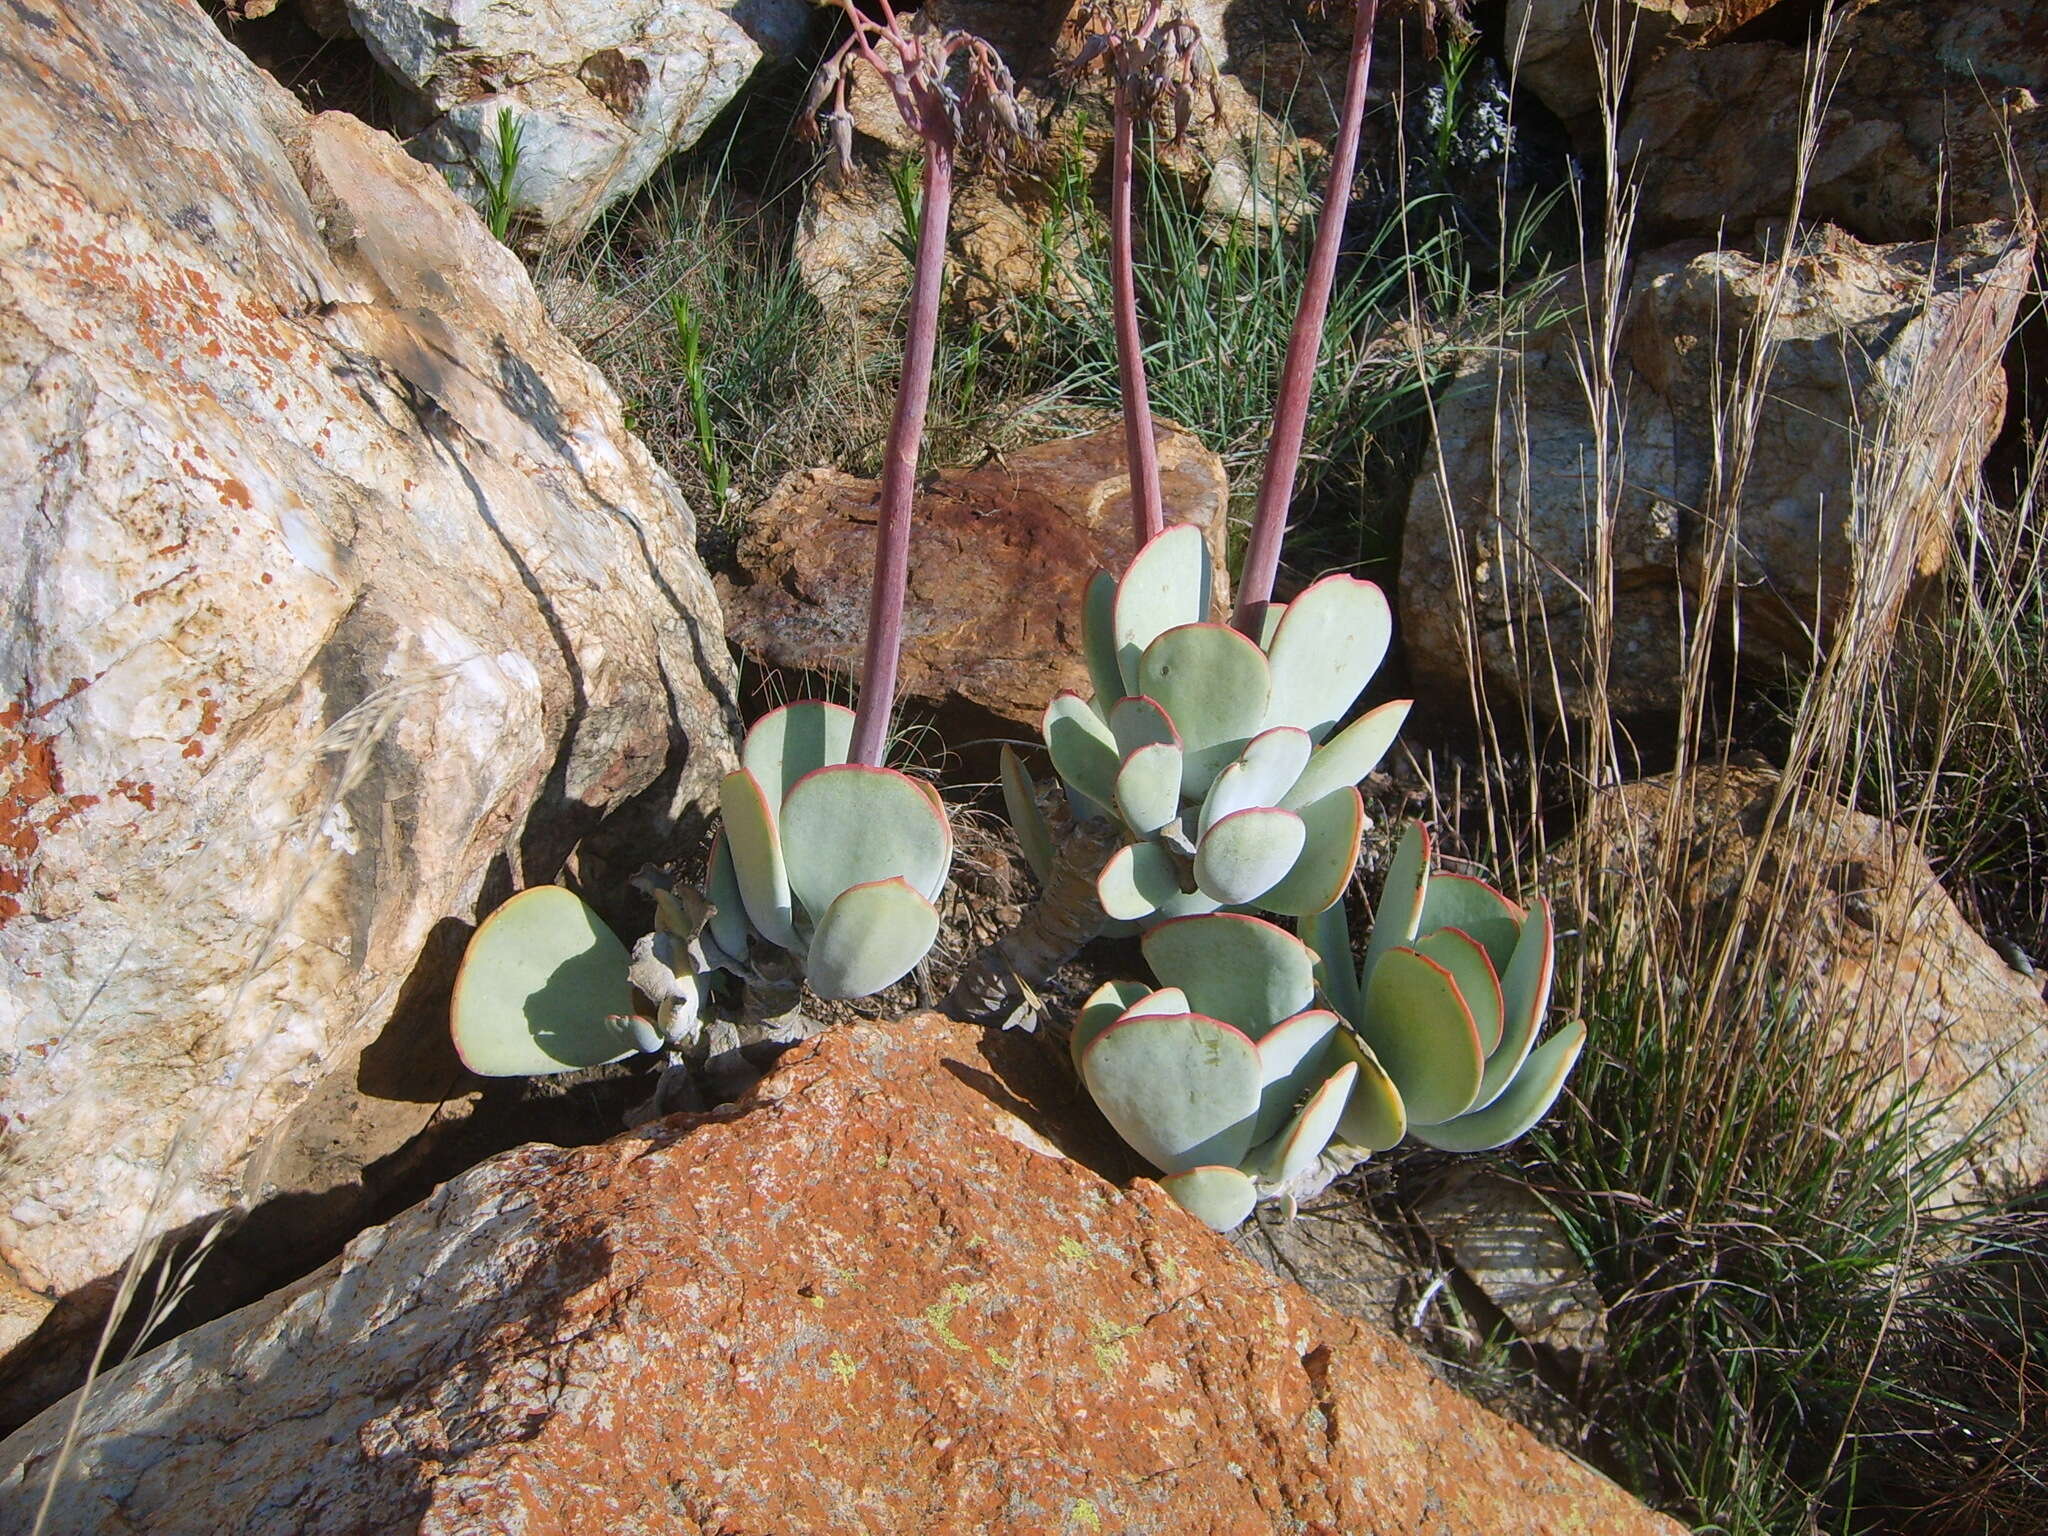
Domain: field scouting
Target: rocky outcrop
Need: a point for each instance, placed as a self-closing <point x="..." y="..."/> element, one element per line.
<point x="1563" y="50"/>
<point x="1883" y="392"/>
<point x="999" y="557"/>
<point x="880" y="1296"/>
<point x="1934" y="117"/>
<point x="338" y="587"/>
<point x="1873" y="951"/>
<point x="602" y="90"/>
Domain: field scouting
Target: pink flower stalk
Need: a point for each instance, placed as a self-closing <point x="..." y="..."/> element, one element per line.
<point x="1290" y="409"/>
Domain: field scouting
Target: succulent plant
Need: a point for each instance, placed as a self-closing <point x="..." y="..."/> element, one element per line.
<point x="1449" y="999"/>
<point x="837" y="862"/>
<point x="1228" y="1077"/>
<point x="543" y="988"/>
<point x="1214" y="754"/>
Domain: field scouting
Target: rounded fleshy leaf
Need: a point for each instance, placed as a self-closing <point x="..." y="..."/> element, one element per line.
<point x="1136" y="882"/>
<point x="1164" y="1000"/>
<point x="1167" y="585"/>
<point x="1233" y="967"/>
<point x="1137" y="721"/>
<point x="1020" y="799"/>
<point x="1098" y="637"/>
<point x="1302" y="1142"/>
<point x="1218" y="1197"/>
<point x="1245" y="855"/>
<point x="1476" y="908"/>
<point x="1399" y="911"/>
<point x="542" y="989"/>
<point x="1269" y="624"/>
<point x="1268" y="766"/>
<point x="871" y="936"/>
<point x="1525" y="994"/>
<point x="799" y="738"/>
<point x="755" y="842"/>
<point x="1347" y="757"/>
<point x="1420" y="1029"/>
<point x="1105" y="1005"/>
<point x="1375" y="1118"/>
<point x="1333" y="828"/>
<point x="1327" y="648"/>
<point x="855" y="825"/>
<point x="1182" y="1089"/>
<point x="1148" y="787"/>
<point x="1328" y="935"/>
<point x="728" y="920"/>
<point x="1293" y="1057"/>
<point x="1478" y="983"/>
<point x="1212" y="682"/>
<point x="1083" y="752"/>
<point x="1527" y="1099"/>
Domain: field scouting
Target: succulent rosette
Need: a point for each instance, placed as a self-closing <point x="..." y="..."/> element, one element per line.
<point x="1217" y="756"/>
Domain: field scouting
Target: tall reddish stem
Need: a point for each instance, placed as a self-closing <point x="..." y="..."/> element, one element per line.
<point x="899" y="467"/>
<point x="1290" y="410"/>
<point x="1141" y="452"/>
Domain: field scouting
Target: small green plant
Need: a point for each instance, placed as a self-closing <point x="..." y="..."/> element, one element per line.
<point x="501" y="178"/>
<point x="689" y="338"/>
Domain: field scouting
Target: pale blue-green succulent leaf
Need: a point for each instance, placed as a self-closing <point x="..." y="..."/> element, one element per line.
<point x="1525" y="994"/>
<point x="1473" y="906"/>
<point x="1083" y="752"/>
<point x="1292" y="1060"/>
<point x="1326" y="649"/>
<point x="1328" y="936"/>
<point x="1167" y="585"/>
<point x="543" y="989"/>
<point x="1527" y="1099"/>
<point x="787" y="743"/>
<point x="1136" y="882"/>
<point x="1212" y="682"/>
<point x="1347" y="757"/>
<point x="1395" y="919"/>
<point x="1217" y="1196"/>
<point x="1421" y="1031"/>
<point x="1105" y="1005"/>
<point x="728" y="921"/>
<point x="871" y="936"/>
<point x="854" y="825"/>
<point x="1261" y="775"/>
<point x="1302" y="1142"/>
<point x="1242" y="969"/>
<point x="1245" y="854"/>
<point x="1333" y="828"/>
<point x="755" y="841"/>
<point x="1375" y="1118"/>
<point x="1148" y="787"/>
<point x="1478" y="983"/>
<point x="1098" y="637"/>
<point x="1269" y="624"/>
<point x="1020" y="799"/>
<point x="1182" y="1089"/>
<point x="1137" y="721"/>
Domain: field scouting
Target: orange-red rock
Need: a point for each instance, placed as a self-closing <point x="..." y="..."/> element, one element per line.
<point x="999" y="558"/>
<point x="876" y="1298"/>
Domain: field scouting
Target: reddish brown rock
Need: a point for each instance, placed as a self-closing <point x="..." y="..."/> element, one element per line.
<point x="878" y="1298"/>
<point x="999" y="557"/>
<point x="1880" y="957"/>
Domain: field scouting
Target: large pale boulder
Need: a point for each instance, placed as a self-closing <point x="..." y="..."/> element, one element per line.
<point x="999" y="558"/>
<point x="881" y="1296"/>
<point x="1884" y="392"/>
<point x="1933" y="116"/>
<point x="336" y="587"/>
<point x="602" y="90"/>
<point x="1872" y="951"/>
